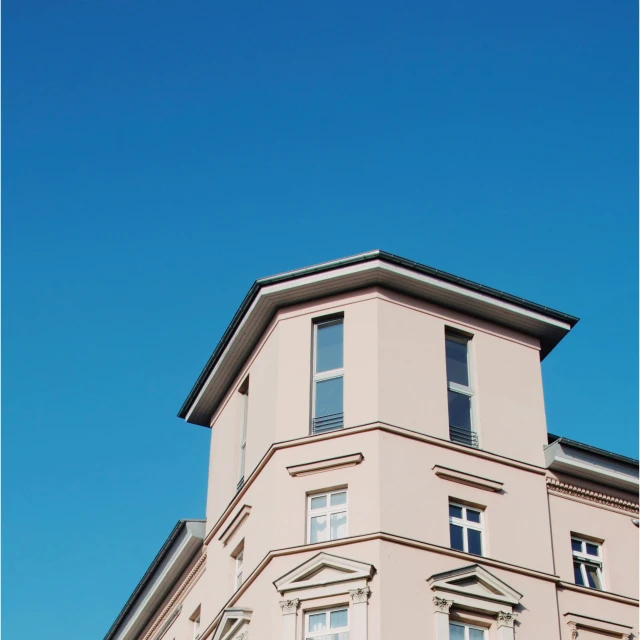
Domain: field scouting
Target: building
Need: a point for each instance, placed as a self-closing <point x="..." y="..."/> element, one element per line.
<point x="380" y="468"/>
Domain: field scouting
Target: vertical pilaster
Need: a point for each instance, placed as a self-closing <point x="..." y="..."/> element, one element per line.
<point x="289" y="618"/>
<point x="358" y="624"/>
<point x="442" y="617"/>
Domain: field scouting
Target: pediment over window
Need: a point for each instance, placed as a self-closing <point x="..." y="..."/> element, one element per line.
<point x="233" y="625"/>
<point x="474" y="582"/>
<point x="324" y="569"/>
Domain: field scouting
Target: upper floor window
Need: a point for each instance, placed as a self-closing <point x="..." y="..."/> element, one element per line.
<point x="459" y="390"/>
<point x="244" y="399"/>
<point x="466" y="528"/>
<point x="460" y="631"/>
<point x="327" y="516"/>
<point x="332" y="624"/>
<point x="328" y="375"/>
<point x="239" y="568"/>
<point x="587" y="563"/>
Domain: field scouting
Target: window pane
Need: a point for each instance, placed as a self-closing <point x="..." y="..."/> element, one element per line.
<point x="339" y="498"/>
<point x="319" y="532"/>
<point x="474" y="538"/>
<point x="476" y="634"/>
<point x="457" y="362"/>
<point x="317" y="621"/>
<point x="319" y="502"/>
<point x="592" y="576"/>
<point x="455" y="512"/>
<point x="456" y="632"/>
<point x="577" y="574"/>
<point x="329" y="348"/>
<point x="576" y="545"/>
<point x="455" y="533"/>
<point x="339" y="619"/>
<point x="473" y="516"/>
<point x="328" y="397"/>
<point x="459" y="410"/>
<point x="592" y="549"/>
<point x="338" y="525"/>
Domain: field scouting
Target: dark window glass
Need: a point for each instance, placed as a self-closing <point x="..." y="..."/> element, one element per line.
<point x="329" y="348"/>
<point x="457" y="370"/>
<point x="592" y="549"/>
<point x="474" y="538"/>
<point x="577" y="574"/>
<point x="456" y="537"/>
<point x="459" y="411"/>
<point x="576" y="545"/>
<point x="329" y="397"/>
<point x="592" y="576"/>
<point x="473" y="516"/>
<point x="455" y="512"/>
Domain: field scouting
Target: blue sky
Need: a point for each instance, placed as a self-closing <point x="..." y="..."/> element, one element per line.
<point x="158" y="157"/>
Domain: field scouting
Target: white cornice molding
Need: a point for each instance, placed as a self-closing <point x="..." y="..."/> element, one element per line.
<point x="469" y="479"/>
<point x="557" y="487"/>
<point x="329" y="464"/>
<point x="236" y="522"/>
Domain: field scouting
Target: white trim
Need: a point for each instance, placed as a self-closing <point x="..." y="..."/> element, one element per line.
<point x="232" y="620"/>
<point x="583" y="559"/>
<point x="326" y="512"/>
<point x="466" y="524"/>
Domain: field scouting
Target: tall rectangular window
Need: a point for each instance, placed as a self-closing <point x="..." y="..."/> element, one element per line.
<point x="239" y="569"/>
<point x="459" y="390"/>
<point x="244" y="399"/>
<point x="332" y="624"/>
<point x="587" y="563"/>
<point x="461" y="631"/>
<point x="328" y="376"/>
<point x="466" y="528"/>
<point x="327" y="516"/>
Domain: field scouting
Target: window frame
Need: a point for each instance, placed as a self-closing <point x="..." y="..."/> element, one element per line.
<point x="467" y="524"/>
<point x="239" y="569"/>
<point x="323" y="376"/>
<point x="468" y="626"/>
<point x="244" y="392"/>
<point x="583" y="559"/>
<point x="327" y="511"/>
<point x="196" y="627"/>
<point x="311" y="635"/>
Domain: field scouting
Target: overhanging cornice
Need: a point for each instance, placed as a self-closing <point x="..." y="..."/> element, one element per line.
<point x="375" y="268"/>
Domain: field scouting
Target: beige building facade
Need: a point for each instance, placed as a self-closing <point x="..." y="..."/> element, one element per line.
<point x="380" y="468"/>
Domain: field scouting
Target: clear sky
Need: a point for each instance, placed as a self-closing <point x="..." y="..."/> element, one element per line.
<point x="158" y="157"/>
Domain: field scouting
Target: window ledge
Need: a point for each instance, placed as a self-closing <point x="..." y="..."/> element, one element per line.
<point x="462" y="477"/>
<point x="330" y="464"/>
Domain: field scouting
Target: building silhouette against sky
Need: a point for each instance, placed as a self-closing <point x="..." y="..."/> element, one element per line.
<point x="380" y="468"/>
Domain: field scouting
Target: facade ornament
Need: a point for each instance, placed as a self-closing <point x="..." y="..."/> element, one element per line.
<point x="442" y="605"/>
<point x="556" y="485"/>
<point x="242" y="636"/>
<point x="573" y="627"/>
<point x="506" y="619"/>
<point x="361" y="595"/>
<point x="289" y="606"/>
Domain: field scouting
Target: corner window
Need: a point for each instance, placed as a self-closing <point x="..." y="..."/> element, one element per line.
<point x="587" y="563"/>
<point x="327" y="516"/>
<point x="459" y="390"/>
<point x="459" y="631"/>
<point x="332" y="624"/>
<point x="328" y="376"/>
<point x="244" y="399"/>
<point x="466" y="529"/>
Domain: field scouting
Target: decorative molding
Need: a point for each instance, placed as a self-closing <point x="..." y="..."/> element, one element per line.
<point x="358" y="596"/>
<point x="506" y="619"/>
<point x="576" y="622"/>
<point x="289" y="606"/>
<point x="556" y="486"/>
<point x="235" y="524"/>
<point x="330" y="464"/>
<point x="573" y="629"/>
<point x="442" y="605"/>
<point x="462" y="477"/>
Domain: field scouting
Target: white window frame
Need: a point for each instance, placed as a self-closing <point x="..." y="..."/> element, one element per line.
<point x="239" y="569"/>
<point x="467" y="524"/>
<point x="467" y="626"/>
<point x="243" y="435"/>
<point x="311" y="635"/>
<point x="583" y="558"/>
<point x="325" y="375"/>
<point x="196" y="627"/>
<point x="456" y="387"/>
<point x="327" y="511"/>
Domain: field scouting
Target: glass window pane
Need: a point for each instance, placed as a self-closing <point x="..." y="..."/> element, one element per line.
<point x="459" y="410"/>
<point x="577" y="574"/>
<point x="339" y="498"/>
<point x="319" y="530"/>
<point x="455" y="512"/>
<point x="476" y="634"/>
<point x="592" y="549"/>
<point x="592" y="576"/>
<point x="329" y="347"/>
<point x="474" y="539"/>
<point x="457" y="370"/>
<point x="456" y="632"/>
<point x="339" y="619"/>
<point x="576" y="545"/>
<point x="473" y="516"/>
<point x="455" y="533"/>
<point x="317" y="621"/>
<point x="338" y="525"/>
<point x="319" y="502"/>
<point x="328" y="397"/>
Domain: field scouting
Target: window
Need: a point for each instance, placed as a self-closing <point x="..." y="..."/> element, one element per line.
<point x="196" y="627"/>
<point x="332" y="624"/>
<point x="459" y="631"/>
<point x="587" y="563"/>
<point x="239" y="568"/>
<point x="459" y="391"/>
<point x="465" y="528"/>
<point x="327" y="516"/>
<point x="244" y="397"/>
<point x="328" y="376"/>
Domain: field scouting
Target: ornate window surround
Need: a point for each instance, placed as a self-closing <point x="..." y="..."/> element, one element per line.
<point x="234" y="624"/>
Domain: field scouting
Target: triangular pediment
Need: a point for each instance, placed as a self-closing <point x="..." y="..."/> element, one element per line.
<point x="321" y="570"/>
<point x="475" y="581"/>
<point x="232" y="621"/>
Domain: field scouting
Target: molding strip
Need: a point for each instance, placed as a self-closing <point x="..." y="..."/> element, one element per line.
<point x="330" y="464"/>
<point x="234" y="525"/>
<point x="462" y="477"/>
<point x="557" y="487"/>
